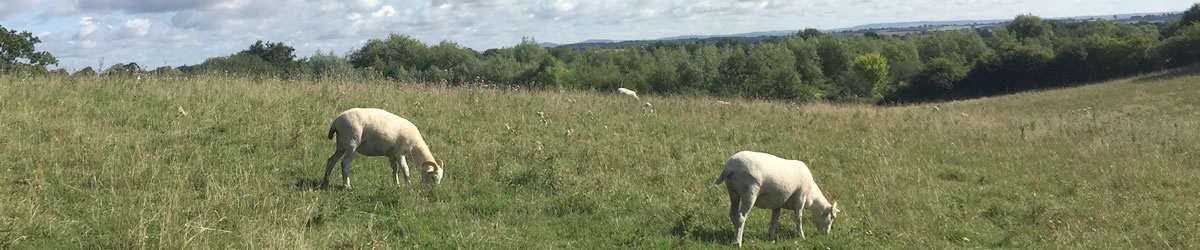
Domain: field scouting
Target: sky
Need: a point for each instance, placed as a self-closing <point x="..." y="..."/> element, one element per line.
<point x="154" y="33"/>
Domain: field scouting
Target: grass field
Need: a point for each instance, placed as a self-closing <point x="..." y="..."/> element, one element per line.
<point x="111" y="164"/>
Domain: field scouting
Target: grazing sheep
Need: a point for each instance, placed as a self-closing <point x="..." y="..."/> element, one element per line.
<point x="628" y="93"/>
<point x="762" y="180"/>
<point x="376" y="132"/>
<point x="722" y="102"/>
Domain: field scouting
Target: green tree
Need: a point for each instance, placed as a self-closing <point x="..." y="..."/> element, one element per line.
<point x="553" y="73"/>
<point x="394" y="56"/>
<point x="810" y="33"/>
<point x="1184" y="47"/>
<point x="1191" y="15"/>
<point x="327" y="66"/>
<point x="1026" y="27"/>
<point x="86" y="71"/>
<point x="940" y="75"/>
<point x="275" y="53"/>
<point x="870" y="76"/>
<point x="17" y="51"/>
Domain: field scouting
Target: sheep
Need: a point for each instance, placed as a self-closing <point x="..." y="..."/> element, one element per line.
<point x="376" y="132"/>
<point x="755" y="179"/>
<point x="628" y="93"/>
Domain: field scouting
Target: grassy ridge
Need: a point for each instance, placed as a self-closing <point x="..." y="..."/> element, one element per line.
<point x="110" y="163"/>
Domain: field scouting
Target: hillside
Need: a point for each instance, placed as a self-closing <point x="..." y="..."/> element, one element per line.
<point x="112" y="164"/>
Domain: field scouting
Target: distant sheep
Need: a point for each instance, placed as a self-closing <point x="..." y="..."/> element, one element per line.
<point x="722" y="102"/>
<point x="376" y="132"/>
<point x="762" y="180"/>
<point x="628" y="92"/>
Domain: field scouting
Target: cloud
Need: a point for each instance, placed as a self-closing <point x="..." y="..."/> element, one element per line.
<point x="143" y="6"/>
<point x="385" y="11"/>
<point x="138" y="27"/>
<point x="11" y="7"/>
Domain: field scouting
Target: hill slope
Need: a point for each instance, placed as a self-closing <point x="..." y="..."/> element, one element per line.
<point x="110" y="163"/>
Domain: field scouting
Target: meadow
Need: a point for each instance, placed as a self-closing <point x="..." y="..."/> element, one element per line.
<point x="112" y="163"/>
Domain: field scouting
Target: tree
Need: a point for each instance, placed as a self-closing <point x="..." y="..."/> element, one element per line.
<point x="123" y="69"/>
<point x="870" y="76"/>
<point x="394" y="56"/>
<point x="553" y="73"/>
<point x="1029" y="26"/>
<point x="17" y="51"/>
<point x="940" y="75"/>
<point x="86" y="71"/>
<point x="1190" y="16"/>
<point x="274" y="53"/>
<point x="810" y="33"/>
<point x="1184" y="47"/>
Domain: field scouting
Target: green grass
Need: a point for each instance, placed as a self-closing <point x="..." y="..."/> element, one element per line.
<point x="110" y="164"/>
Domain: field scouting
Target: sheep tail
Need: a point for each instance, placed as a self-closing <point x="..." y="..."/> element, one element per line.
<point x="724" y="174"/>
<point x="332" y="132"/>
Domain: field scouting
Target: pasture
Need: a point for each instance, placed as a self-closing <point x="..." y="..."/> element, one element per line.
<point x="111" y="163"/>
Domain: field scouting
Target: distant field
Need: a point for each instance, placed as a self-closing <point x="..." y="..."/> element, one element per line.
<point x="112" y="164"/>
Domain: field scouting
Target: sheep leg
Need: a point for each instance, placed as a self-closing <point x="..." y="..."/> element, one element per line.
<point x="734" y="202"/>
<point x="395" y="170"/>
<point x="747" y="203"/>
<point x="404" y="167"/>
<point x="346" y="169"/>
<point x="774" y="224"/>
<point x="337" y="155"/>
<point x="799" y="222"/>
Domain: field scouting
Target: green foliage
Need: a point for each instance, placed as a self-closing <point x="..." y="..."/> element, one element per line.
<point x="869" y="74"/>
<point x="275" y="53"/>
<point x="121" y="69"/>
<point x="17" y="52"/>
<point x="393" y="56"/>
<point x="240" y="65"/>
<point x="1191" y="15"/>
<point x="552" y="73"/>
<point x="1184" y="47"/>
<point x="810" y="33"/>
<point x="85" y="72"/>
<point x="941" y="74"/>
<point x="1029" y="27"/>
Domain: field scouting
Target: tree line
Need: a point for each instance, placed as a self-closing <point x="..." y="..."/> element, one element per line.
<point x="1026" y="53"/>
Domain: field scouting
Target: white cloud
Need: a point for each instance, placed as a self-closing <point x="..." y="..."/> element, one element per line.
<point x="87" y="26"/>
<point x="385" y="11"/>
<point x="366" y="4"/>
<point x="138" y="27"/>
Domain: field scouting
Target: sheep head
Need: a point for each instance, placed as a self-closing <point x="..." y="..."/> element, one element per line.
<point x="433" y="172"/>
<point x="824" y="221"/>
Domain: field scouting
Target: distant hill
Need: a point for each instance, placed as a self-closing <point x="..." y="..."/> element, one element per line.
<point x="908" y="27"/>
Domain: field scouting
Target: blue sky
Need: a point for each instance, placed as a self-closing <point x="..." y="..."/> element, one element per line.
<point x="176" y="32"/>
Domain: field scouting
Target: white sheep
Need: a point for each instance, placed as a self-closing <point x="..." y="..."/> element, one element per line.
<point x="628" y="92"/>
<point x="762" y="180"/>
<point x="376" y="132"/>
